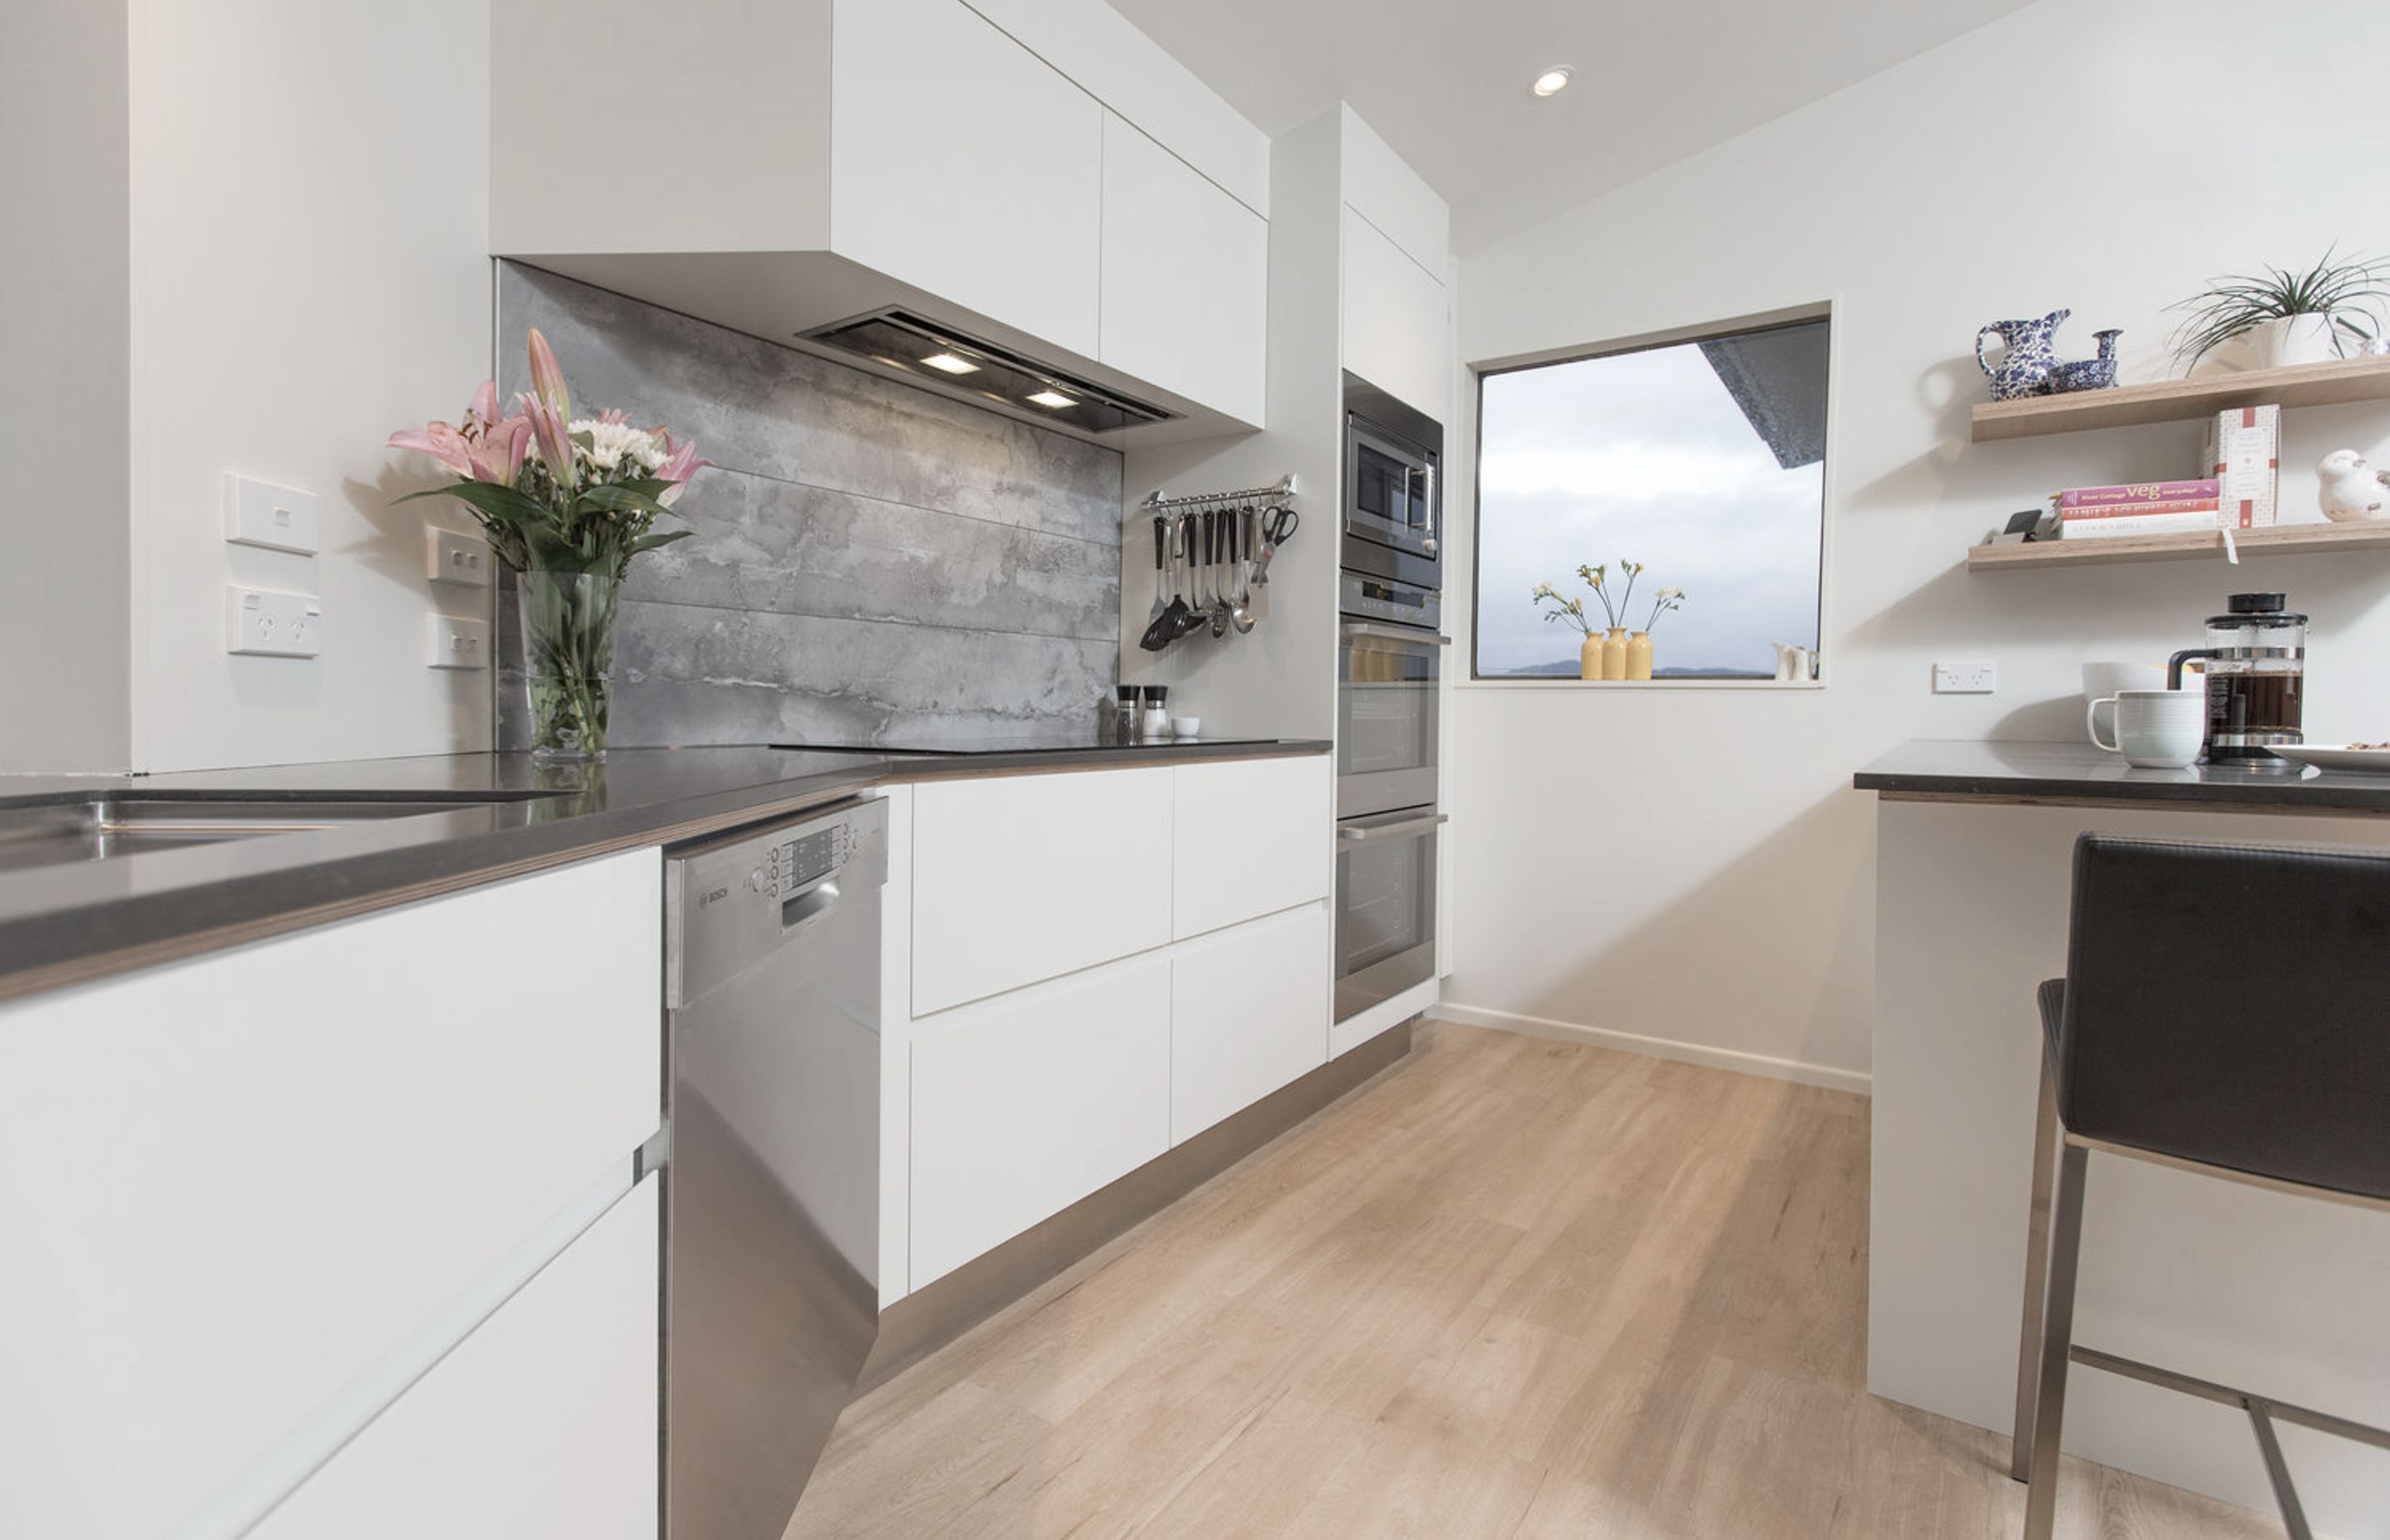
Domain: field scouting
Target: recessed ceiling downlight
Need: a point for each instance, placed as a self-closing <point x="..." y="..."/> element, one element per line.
<point x="1552" y="82"/>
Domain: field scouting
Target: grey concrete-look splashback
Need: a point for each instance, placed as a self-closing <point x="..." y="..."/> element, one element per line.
<point x="871" y="562"/>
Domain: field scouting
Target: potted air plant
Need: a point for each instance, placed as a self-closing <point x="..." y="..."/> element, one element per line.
<point x="566" y="503"/>
<point x="2287" y="318"/>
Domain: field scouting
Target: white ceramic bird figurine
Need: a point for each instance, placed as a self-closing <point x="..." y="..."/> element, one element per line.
<point x="2352" y="491"/>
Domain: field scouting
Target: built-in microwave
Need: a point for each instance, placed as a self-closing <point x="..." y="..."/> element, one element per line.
<point x="1392" y="454"/>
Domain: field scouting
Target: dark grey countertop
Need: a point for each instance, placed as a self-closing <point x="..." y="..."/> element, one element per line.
<point x="1958" y="769"/>
<point x="64" y="923"/>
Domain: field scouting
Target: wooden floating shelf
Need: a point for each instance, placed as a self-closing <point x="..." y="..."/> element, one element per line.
<point x="2332" y="384"/>
<point x="2280" y="540"/>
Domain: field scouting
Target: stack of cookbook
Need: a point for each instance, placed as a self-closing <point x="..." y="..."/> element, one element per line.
<point x="2139" y="507"/>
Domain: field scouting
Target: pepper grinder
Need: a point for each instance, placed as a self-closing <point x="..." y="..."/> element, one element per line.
<point x="1122" y="723"/>
<point x="1157" y="713"/>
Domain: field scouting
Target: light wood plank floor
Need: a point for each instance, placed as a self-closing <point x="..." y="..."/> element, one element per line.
<point x="1510" y="1288"/>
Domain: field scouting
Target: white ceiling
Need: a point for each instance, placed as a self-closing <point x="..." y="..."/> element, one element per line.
<point x="1445" y="80"/>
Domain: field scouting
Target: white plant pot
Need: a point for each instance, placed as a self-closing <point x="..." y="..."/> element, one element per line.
<point x="2290" y="341"/>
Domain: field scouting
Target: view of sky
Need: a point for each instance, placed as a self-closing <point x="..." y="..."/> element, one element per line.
<point x="1642" y="455"/>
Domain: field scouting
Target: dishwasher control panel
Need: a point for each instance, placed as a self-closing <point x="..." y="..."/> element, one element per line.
<point x="731" y="900"/>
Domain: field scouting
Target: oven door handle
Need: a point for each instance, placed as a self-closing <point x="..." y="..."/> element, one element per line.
<point x="1396" y="634"/>
<point x="1357" y="832"/>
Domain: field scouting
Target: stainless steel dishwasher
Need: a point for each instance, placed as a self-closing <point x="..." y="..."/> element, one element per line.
<point x="772" y="1158"/>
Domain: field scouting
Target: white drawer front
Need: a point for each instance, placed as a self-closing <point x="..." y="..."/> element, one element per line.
<point x="1018" y="879"/>
<point x="1248" y="1013"/>
<point x="1022" y="1106"/>
<point x="541" y="1422"/>
<point x="1251" y="837"/>
<point x="229" y="1185"/>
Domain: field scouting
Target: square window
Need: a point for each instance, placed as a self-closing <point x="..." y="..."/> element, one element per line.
<point x="1703" y="460"/>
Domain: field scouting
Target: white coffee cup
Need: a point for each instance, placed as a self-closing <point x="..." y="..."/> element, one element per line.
<point x="2102" y="682"/>
<point x="2156" y="729"/>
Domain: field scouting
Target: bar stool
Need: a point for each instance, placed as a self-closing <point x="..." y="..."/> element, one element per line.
<point x="2269" y="1067"/>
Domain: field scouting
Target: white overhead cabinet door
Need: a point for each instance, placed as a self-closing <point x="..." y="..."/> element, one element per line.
<point x="541" y="1422"/>
<point x="1396" y="329"/>
<point x="961" y="164"/>
<point x="1186" y="278"/>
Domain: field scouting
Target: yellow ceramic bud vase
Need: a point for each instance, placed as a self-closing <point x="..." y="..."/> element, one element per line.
<point x="1639" y="655"/>
<point x="1588" y="658"/>
<point x="1613" y="653"/>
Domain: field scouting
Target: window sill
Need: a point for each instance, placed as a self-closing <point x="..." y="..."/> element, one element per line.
<point x="1566" y="684"/>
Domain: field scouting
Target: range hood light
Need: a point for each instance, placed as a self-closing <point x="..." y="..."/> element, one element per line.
<point x="1552" y="82"/>
<point x="986" y="372"/>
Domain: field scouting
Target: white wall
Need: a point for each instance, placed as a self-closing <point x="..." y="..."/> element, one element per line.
<point x="1692" y="864"/>
<point x="309" y="236"/>
<point x="63" y="365"/>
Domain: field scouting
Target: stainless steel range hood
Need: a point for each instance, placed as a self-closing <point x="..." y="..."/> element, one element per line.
<point x="823" y="303"/>
<point x="946" y="359"/>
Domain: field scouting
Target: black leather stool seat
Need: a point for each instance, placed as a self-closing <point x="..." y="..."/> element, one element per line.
<point x="2229" y="1003"/>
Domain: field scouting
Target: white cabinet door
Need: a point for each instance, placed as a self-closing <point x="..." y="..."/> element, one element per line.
<point x="1022" y="1106"/>
<point x="1021" y="878"/>
<point x="961" y="164"/>
<point x="230" y="1186"/>
<point x="1186" y="278"/>
<point x="541" y="1422"/>
<point x="1250" y="836"/>
<point x="1248" y="1013"/>
<point x="1396" y="329"/>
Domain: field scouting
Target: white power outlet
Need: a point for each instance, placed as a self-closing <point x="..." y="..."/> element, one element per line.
<point x="261" y="622"/>
<point x="1966" y="678"/>
<point x="459" y="642"/>
<point x="453" y="558"/>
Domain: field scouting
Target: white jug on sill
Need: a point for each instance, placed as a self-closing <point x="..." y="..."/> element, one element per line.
<point x="1791" y="663"/>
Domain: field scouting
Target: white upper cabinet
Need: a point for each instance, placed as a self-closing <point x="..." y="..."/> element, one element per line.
<point x="963" y="164"/>
<point x="1397" y="331"/>
<point x="1186" y="277"/>
<point x="1381" y="186"/>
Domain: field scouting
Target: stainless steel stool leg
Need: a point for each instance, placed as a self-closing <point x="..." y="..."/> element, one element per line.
<point x="2036" y="1272"/>
<point x="2294" y="1518"/>
<point x="2057" y="1342"/>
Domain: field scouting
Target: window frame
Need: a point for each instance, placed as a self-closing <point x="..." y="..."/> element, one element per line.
<point x="1827" y="310"/>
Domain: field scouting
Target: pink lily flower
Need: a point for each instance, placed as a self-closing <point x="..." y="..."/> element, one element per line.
<point x="547" y="378"/>
<point x="497" y="450"/>
<point x="680" y="464"/>
<point x="441" y="442"/>
<point x="553" y="434"/>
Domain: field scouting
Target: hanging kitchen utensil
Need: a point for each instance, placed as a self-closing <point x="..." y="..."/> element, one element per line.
<point x="1242" y="614"/>
<point x="1164" y="628"/>
<point x="1161" y="541"/>
<point x="1223" y="559"/>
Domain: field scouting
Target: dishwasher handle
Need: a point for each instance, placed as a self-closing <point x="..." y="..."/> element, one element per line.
<point x="807" y="907"/>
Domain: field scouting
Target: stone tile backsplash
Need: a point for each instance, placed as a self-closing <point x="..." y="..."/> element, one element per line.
<point x="871" y="562"/>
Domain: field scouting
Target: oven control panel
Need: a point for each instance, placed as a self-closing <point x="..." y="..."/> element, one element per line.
<point x="1380" y="598"/>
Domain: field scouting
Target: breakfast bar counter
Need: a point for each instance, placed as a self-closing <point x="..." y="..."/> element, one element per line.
<point x="2283" y="1294"/>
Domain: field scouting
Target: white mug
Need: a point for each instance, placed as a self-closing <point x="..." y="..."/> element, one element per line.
<point x="2102" y="682"/>
<point x="2156" y="729"/>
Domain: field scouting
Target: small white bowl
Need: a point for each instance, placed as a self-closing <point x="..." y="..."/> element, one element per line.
<point x="1186" y="726"/>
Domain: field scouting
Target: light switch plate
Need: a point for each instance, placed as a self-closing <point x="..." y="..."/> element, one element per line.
<point x="258" y="513"/>
<point x="451" y="557"/>
<point x="1966" y="678"/>
<point x="265" y="624"/>
<point x="457" y="641"/>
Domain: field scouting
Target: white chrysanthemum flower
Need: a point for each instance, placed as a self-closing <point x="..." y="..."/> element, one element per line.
<point x="610" y="441"/>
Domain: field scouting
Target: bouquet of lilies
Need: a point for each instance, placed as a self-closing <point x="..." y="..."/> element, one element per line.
<point x="556" y="493"/>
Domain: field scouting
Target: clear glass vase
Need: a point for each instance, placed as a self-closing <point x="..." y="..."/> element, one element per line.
<point x="568" y="647"/>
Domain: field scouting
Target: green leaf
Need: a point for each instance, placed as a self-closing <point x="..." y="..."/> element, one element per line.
<point x="621" y="498"/>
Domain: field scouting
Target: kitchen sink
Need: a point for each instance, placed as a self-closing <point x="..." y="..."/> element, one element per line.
<point x="104" y="827"/>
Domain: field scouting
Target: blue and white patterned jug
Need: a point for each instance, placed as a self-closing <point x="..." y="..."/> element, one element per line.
<point x="2027" y="357"/>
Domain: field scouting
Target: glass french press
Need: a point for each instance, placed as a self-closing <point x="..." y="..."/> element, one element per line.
<point x="2255" y="660"/>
